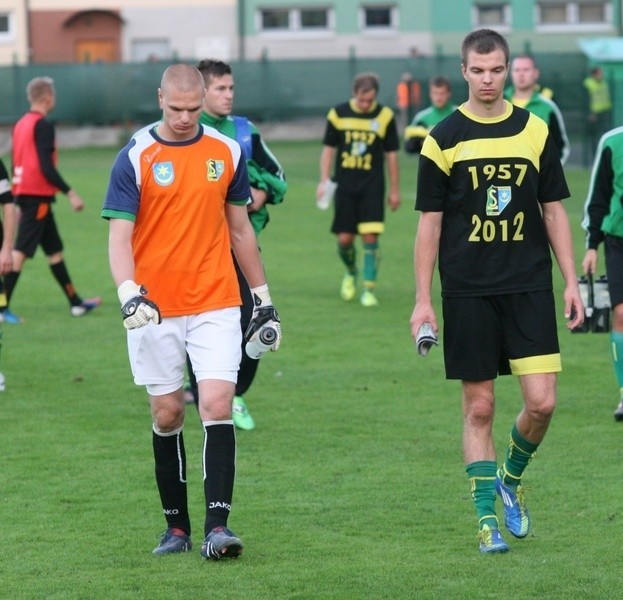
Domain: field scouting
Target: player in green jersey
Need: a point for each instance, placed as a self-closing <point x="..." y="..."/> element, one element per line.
<point x="603" y="222"/>
<point x="440" y="93"/>
<point x="526" y="93"/>
<point x="268" y="186"/>
<point x="489" y="190"/>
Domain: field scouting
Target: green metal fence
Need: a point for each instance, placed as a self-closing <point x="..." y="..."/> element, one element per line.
<point x="106" y="94"/>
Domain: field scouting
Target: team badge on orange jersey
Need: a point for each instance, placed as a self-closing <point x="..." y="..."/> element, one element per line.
<point x="498" y="198"/>
<point x="215" y="169"/>
<point x="163" y="173"/>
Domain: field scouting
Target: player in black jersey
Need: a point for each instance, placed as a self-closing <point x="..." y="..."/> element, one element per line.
<point x="360" y="135"/>
<point x="490" y="186"/>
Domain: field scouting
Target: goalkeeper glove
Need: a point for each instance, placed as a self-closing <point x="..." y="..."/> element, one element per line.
<point x="264" y="330"/>
<point x="136" y="309"/>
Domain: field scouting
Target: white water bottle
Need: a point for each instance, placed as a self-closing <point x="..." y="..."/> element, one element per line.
<point x="262" y="343"/>
<point x="324" y="201"/>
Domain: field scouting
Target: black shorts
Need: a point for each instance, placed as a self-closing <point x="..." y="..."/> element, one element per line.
<point x="37" y="226"/>
<point x="497" y="335"/>
<point x="361" y="211"/>
<point x="613" y="253"/>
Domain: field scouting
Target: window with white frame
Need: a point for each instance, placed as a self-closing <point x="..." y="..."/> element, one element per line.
<point x="314" y="18"/>
<point x="274" y="19"/>
<point x="578" y="15"/>
<point x="294" y="19"/>
<point x="6" y="26"/>
<point x="378" y="18"/>
<point x="491" y="14"/>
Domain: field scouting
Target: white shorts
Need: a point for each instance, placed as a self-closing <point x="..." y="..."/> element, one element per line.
<point x="158" y="352"/>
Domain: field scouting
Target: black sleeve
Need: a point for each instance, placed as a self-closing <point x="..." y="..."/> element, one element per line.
<point x="5" y="185"/>
<point x="598" y="205"/>
<point x="413" y="145"/>
<point x="44" y="141"/>
<point x="262" y="156"/>
<point x="391" y="143"/>
<point x="552" y="183"/>
<point x="554" y="129"/>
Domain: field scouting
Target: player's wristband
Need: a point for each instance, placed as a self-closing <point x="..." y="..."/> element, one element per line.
<point x="261" y="295"/>
<point x="129" y="289"/>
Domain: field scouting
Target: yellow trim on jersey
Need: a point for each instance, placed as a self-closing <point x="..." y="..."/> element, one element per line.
<point x="521" y="145"/>
<point x="508" y="109"/>
<point x="353" y="106"/>
<point x="376" y="124"/>
<point x="547" y="363"/>
<point x="371" y="227"/>
<point x="416" y="131"/>
<point x="522" y="103"/>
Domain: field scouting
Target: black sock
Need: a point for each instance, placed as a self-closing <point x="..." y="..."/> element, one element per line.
<point x="59" y="270"/>
<point x="10" y="281"/>
<point x="219" y="469"/>
<point x="170" y="460"/>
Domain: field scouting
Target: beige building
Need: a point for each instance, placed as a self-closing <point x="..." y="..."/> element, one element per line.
<point x="13" y="38"/>
<point x="58" y="31"/>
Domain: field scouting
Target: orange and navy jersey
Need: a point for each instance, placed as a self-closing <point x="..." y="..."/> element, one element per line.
<point x="176" y="194"/>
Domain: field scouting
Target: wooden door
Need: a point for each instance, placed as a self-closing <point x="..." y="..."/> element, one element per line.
<point x="91" y="51"/>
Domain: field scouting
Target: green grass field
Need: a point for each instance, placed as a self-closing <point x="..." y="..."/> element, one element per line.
<point x="351" y="487"/>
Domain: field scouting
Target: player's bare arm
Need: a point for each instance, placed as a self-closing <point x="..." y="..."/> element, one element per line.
<point x="424" y="259"/>
<point x="9" y="227"/>
<point x="120" y="255"/>
<point x="394" y="180"/>
<point x="589" y="263"/>
<point x="559" y="235"/>
<point x="326" y="160"/>
<point x="244" y="245"/>
<point x="258" y="199"/>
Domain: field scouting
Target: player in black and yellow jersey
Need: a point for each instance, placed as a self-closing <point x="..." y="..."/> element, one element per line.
<point x="359" y="136"/>
<point x="490" y="186"/>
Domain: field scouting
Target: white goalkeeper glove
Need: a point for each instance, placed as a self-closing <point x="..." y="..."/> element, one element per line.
<point x="136" y="309"/>
<point x="264" y="330"/>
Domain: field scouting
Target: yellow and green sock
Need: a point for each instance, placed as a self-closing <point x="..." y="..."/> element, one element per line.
<point x="370" y="262"/>
<point x="481" y="476"/>
<point x="519" y="453"/>
<point x="349" y="257"/>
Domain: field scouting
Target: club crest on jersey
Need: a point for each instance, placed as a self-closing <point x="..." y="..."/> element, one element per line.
<point x="163" y="173"/>
<point x="498" y="198"/>
<point x="358" y="148"/>
<point x="215" y="169"/>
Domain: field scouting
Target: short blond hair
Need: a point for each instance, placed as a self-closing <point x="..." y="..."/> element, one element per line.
<point x="182" y="77"/>
<point x="39" y="87"/>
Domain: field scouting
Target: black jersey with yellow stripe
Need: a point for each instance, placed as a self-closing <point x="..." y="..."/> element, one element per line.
<point x="361" y="141"/>
<point x="489" y="177"/>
